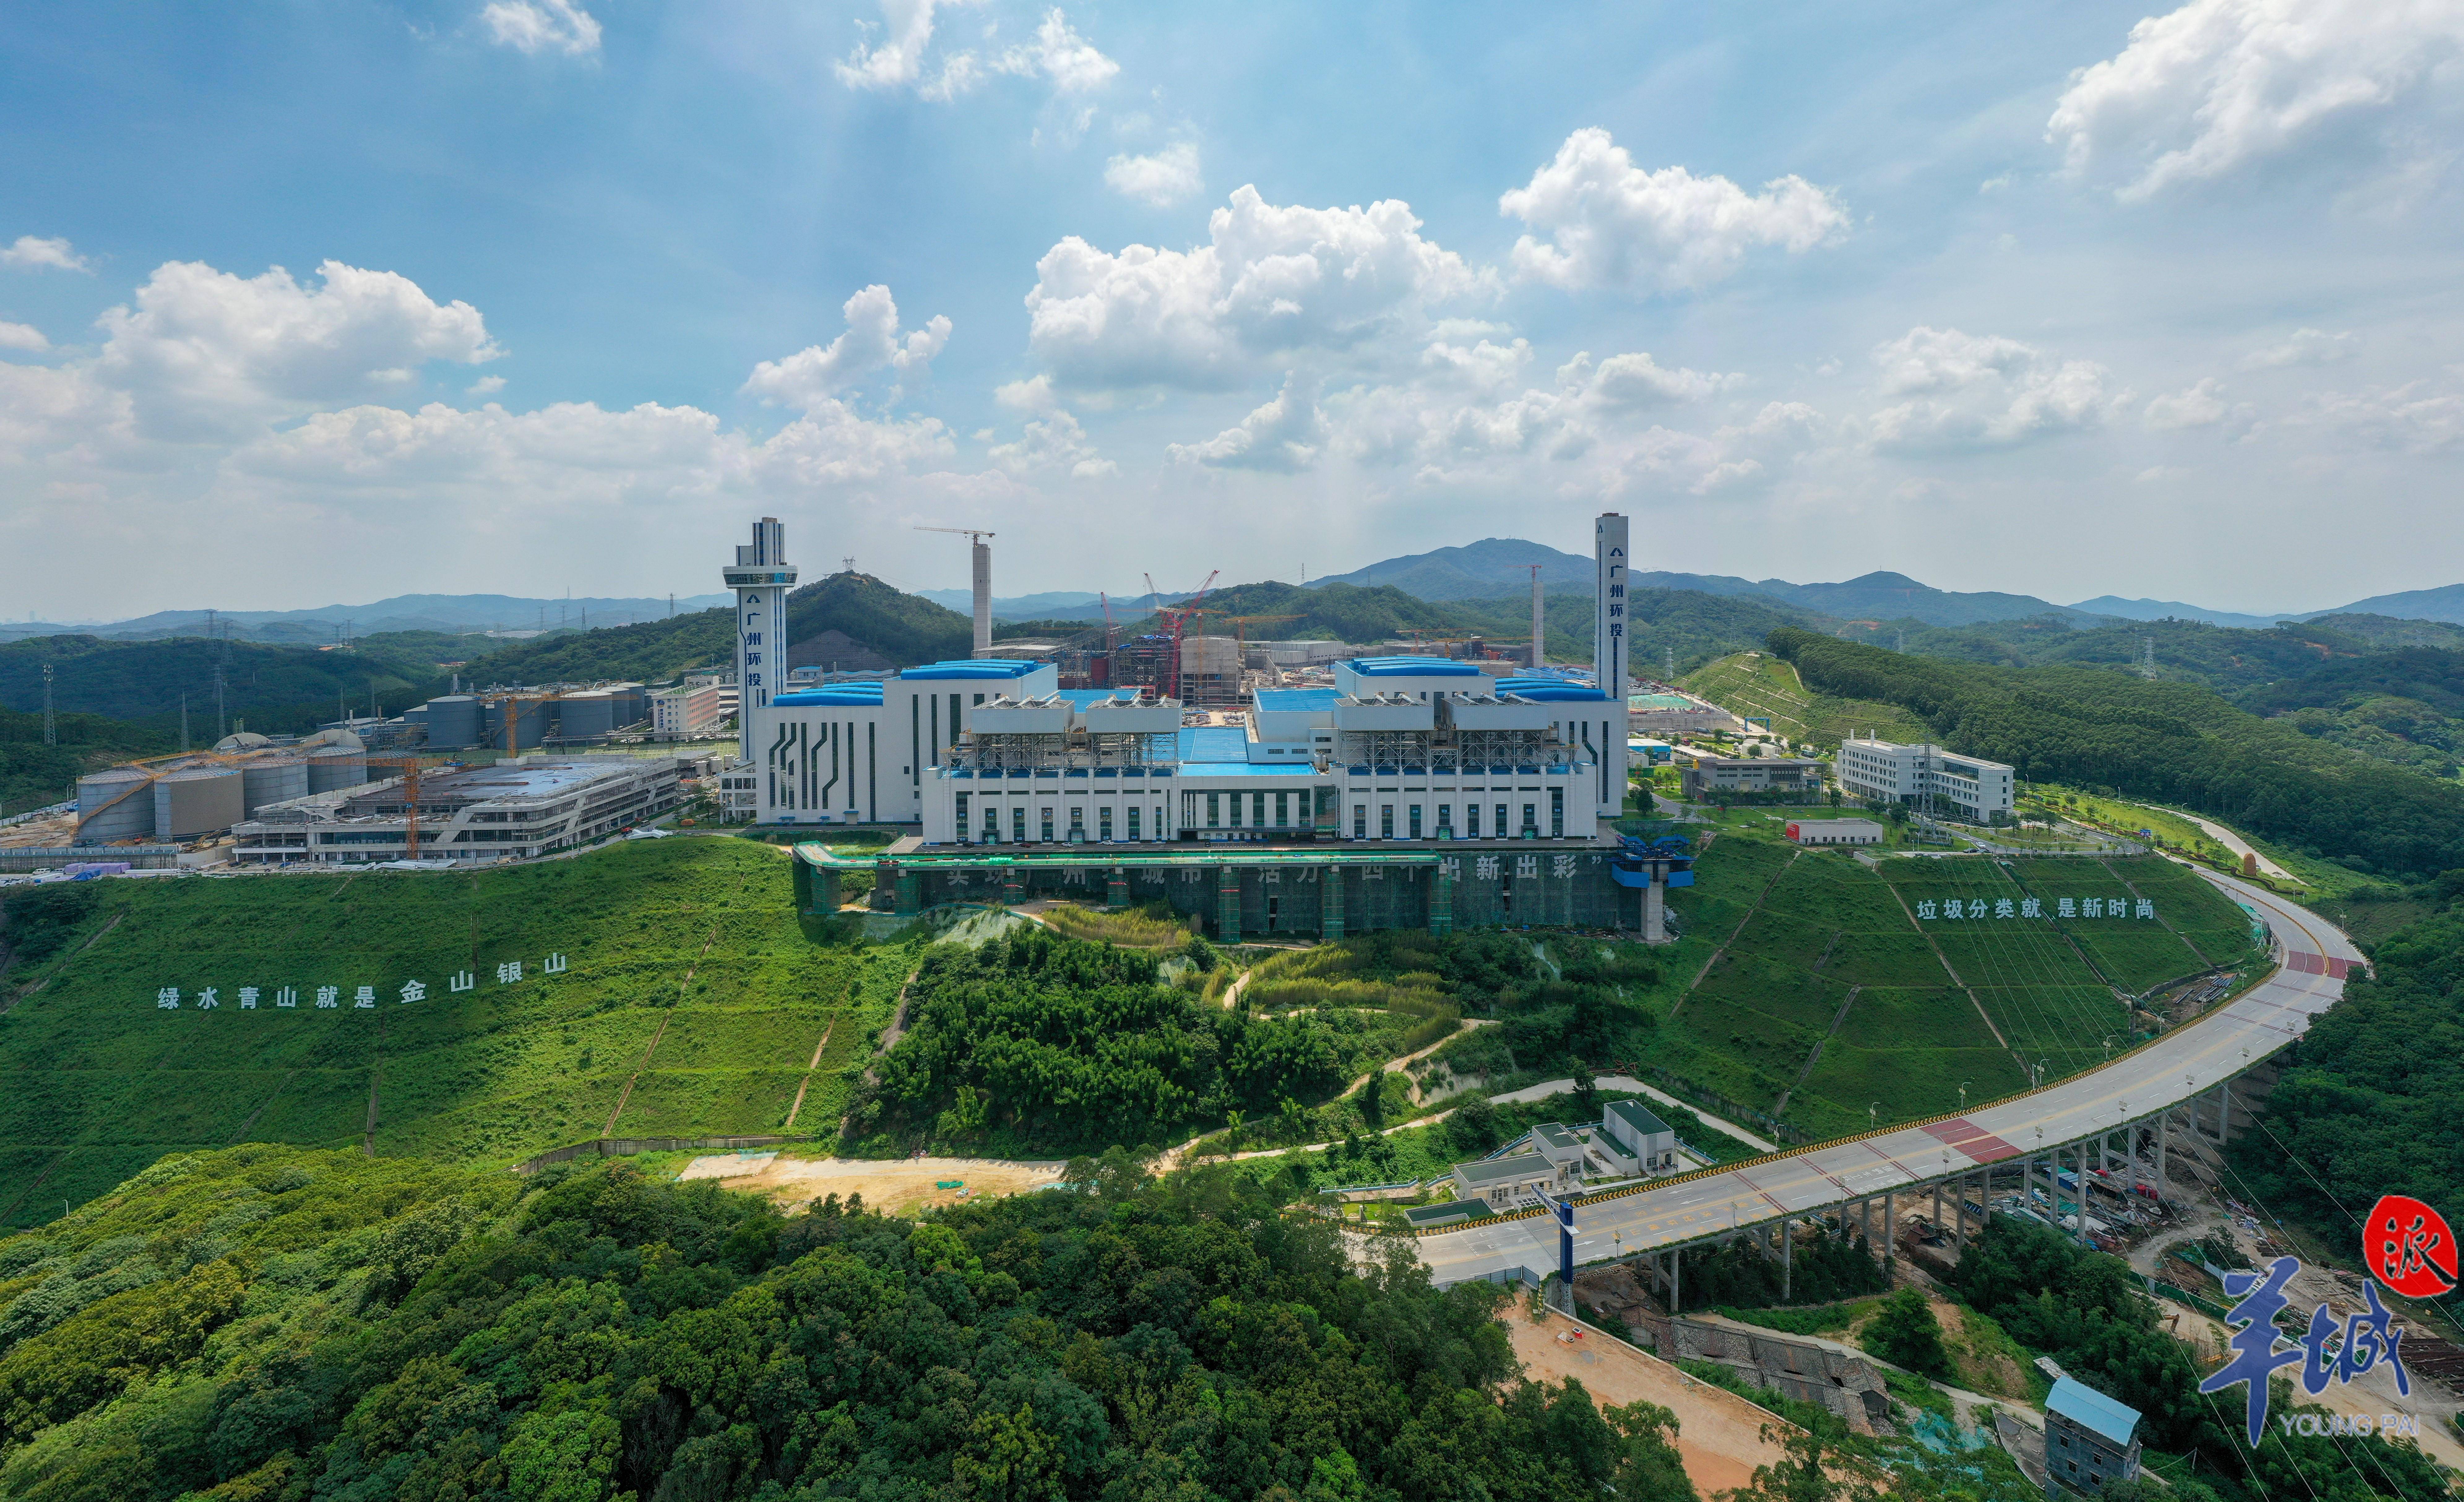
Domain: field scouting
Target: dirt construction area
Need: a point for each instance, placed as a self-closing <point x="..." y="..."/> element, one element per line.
<point x="900" y="1186"/>
<point x="1719" y="1434"/>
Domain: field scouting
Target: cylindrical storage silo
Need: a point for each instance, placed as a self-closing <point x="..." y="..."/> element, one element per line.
<point x="453" y="720"/>
<point x="272" y="779"/>
<point x="198" y="802"/>
<point x="115" y="805"/>
<point x="587" y="716"/>
<point x="530" y="723"/>
<point x="336" y="766"/>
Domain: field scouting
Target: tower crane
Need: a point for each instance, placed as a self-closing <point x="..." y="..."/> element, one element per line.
<point x="1176" y="620"/>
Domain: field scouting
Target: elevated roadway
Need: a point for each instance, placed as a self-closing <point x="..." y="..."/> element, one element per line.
<point x="2175" y="1070"/>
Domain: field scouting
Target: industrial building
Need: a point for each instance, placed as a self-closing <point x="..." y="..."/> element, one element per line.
<point x="179" y="799"/>
<point x="1965" y="788"/>
<point x="1665" y="713"/>
<point x="1707" y="777"/>
<point x="1834" y="832"/>
<point x="507" y="811"/>
<point x="761" y="577"/>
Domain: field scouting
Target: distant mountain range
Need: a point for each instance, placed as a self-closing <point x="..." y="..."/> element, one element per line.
<point x="448" y="613"/>
<point x="1498" y="566"/>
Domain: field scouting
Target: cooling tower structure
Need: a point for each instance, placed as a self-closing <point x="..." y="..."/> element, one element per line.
<point x="272" y="779"/>
<point x="115" y="805"/>
<point x="454" y="720"/>
<point x="336" y="766"/>
<point x="198" y="802"/>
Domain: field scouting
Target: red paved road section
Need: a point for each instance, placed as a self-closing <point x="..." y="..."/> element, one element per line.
<point x="2309" y="963"/>
<point x="1972" y="1139"/>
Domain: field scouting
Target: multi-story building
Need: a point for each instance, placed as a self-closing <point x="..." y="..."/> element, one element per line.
<point x="1965" y="788"/>
<point x="694" y="710"/>
<point x="507" y="811"/>
<point x="2089" y="1440"/>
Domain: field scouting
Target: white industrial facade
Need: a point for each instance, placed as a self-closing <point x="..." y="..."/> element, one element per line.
<point x="514" y="810"/>
<point x="1969" y="788"/>
<point x="1400" y="749"/>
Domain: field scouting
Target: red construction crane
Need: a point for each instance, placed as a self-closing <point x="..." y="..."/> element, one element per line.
<point x="1175" y="620"/>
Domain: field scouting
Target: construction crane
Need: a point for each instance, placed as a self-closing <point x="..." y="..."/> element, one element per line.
<point x="1175" y="620"/>
<point x="1241" y="624"/>
<point x="981" y="559"/>
<point x="411" y="766"/>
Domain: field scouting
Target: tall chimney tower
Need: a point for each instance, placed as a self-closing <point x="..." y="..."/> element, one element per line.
<point x="983" y="559"/>
<point x="1609" y="645"/>
<point x="761" y="578"/>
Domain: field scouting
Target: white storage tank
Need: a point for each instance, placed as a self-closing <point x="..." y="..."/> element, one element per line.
<point x="336" y="766"/>
<point x="198" y="802"/>
<point x="272" y="779"/>
<point x="115" y="805"/>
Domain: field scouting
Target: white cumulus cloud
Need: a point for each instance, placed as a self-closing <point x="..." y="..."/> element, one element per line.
<point x="871" y="343"/>
<point x="2411" y="418"/>
<point x="204" y="352"/>
<point x="541" y="26"/>
<point x="1270" y="280"/>
<point x="2202" y="405"/>
<point x="1600" y="220"/>
<point x="23" y="336"/>
<point x="2220" y="84"/>
<point x="1968" y="391"/>
<point x="894" y="57"/>
<point x="2306" y="347"/>
<point x="1054" y="442"/>
<point x="30" y="252"/>
<point x="1284" y="436"/>
<point x="1165" y="177"/>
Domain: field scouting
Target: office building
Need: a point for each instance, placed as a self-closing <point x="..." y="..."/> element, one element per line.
<point x="1965" y="788"/>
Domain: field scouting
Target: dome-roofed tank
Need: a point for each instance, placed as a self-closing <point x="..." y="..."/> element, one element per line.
<point x="115" y="805"/>
<point x="244" y="740"/>
<point x="198" y="801"/>
<point x="587" y="716"/>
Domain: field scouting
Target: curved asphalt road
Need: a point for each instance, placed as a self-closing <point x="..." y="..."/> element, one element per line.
<point x="2174" y="1068"/>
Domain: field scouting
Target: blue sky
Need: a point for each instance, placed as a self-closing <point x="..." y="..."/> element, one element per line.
<point x="2061" y="300"/>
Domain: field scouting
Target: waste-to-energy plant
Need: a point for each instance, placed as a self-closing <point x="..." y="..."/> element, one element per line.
<point x="1413" y="791"/>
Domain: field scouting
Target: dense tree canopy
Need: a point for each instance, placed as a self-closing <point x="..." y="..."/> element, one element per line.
<point x="270" y="1322"/>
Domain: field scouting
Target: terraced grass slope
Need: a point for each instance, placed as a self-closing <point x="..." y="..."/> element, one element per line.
<point x="1835" y="999"/>
<point x="1756" y="685"/>
<point x="692" y="1002"/>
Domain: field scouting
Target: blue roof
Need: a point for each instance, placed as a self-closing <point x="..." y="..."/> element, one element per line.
<point x="1245" y="769"/>
<point x="835" y="695"/>
<point x="1215" y="743"/>
<point x="1412" y="667"/>
<point x="1549" y="691"/>
<point x="973" y="667"/>
<point x="1286" y="701"/>
<point x="2092" y="1411"/>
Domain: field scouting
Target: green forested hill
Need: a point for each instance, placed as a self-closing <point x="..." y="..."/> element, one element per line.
<point x="693" y="1001"/>
<point x="33" y="773"/>
<point x="2172" y="743"/>
<point x="274" y="688"/>
<point x="270" y="1323"/>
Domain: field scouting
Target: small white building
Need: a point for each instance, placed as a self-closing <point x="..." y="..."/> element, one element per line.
<point x="1639" y="1135"/>
<point x="1514" y="1180"/>
<point x="1965" y="788"/>
<point x="1834" y="832"/>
